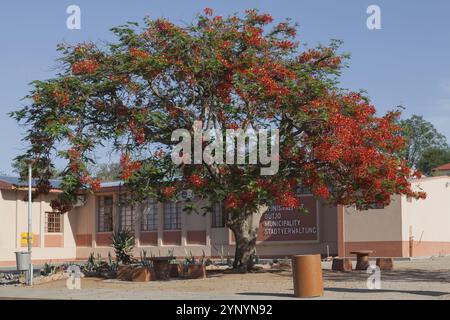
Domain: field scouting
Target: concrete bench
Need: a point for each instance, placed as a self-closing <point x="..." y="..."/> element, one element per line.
<point x="385" y="264"/>
<point x="342" y="264"/>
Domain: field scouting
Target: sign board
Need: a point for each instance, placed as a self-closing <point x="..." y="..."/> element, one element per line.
<point x="24" y="238"/>
<point x="286" y="224"/>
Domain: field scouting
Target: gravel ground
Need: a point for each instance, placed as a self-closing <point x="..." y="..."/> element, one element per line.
<point x="417" y="279"/>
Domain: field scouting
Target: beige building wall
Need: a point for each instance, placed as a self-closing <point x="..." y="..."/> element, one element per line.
<point x="14" y="221"/>
<point x="79" y="236"/>
<point x="405" y="228"/>
<point x="426" y="223"/>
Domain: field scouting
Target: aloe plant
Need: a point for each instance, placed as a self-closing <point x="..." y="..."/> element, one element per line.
<point x="144" y="261"/>
<point x="123" y="244"/>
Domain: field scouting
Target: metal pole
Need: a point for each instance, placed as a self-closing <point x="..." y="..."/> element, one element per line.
<point x="30" y="203"/>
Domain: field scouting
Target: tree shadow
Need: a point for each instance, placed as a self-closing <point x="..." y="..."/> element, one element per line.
<point x="405" y="275"/>
<point x="415" y="292"/>
<point x="267" y="294"/>
<point x="350" y="290"/>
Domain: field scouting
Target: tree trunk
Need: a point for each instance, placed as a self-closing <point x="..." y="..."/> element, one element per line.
<point x="245" y="230"/>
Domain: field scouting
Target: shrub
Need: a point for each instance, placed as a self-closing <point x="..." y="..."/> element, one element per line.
<point x="123" y="244"/>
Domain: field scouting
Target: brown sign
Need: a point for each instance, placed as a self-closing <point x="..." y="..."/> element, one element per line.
<point x="285" y="224"/>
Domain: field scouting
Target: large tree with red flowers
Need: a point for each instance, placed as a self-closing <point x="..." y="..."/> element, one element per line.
<point x="239" y="72"/>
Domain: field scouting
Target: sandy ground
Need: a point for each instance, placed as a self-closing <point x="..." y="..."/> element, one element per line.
<point x="417" y="279"/>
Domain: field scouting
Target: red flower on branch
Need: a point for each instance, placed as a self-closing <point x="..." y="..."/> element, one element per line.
<point x="88" y="66"/>
<point x="129" y="168"/>
<point x="231" y="202"/>
<point x="168" y="191"/>
<point x="288" y="200"/>
<point x="195" y="180"/>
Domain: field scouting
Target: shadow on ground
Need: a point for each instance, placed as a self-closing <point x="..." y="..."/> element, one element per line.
<point x="409" y="275"/>
<point x="415" y="292"/>
<point x="352" y="290"/>
<point x="267" y="294"/>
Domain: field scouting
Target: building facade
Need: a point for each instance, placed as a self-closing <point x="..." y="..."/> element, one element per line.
<point x="406" y="228"/>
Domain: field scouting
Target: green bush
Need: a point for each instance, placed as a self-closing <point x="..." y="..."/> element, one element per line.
<point x="123" y="244"/>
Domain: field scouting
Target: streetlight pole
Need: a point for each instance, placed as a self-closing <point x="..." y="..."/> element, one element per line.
<point x="30" y="205"/>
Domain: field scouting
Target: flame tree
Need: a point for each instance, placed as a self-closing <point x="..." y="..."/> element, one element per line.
<point x="242" y="71"/>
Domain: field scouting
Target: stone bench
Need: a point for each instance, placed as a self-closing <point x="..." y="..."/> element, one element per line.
<point x="342" y="264"/>
<point x="385" y="264"/>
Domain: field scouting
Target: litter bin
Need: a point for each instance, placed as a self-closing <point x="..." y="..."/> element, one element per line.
<point x="307" y="273"/>
<point x="23" y="260"/>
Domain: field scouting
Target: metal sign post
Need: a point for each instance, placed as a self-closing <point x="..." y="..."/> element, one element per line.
<point x="30" y="203"/>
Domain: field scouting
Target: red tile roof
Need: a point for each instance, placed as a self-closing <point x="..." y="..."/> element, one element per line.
<point x="444" y="167"/>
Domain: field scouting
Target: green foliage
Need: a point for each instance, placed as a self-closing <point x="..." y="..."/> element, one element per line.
<point x="420" y="135"/>
<point x="432" y="158"/>
<point x="191" y="260"/>
<point x="48" y="269"/>
<point x="123" y="243"/>
<point x="171" y="254"/>
<point x="98" y="265"/>
<point x="144" y="260"/>
<point x="107" y="172"/>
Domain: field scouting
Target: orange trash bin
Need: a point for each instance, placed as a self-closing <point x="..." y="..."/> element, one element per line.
<point x="307" y="274"/>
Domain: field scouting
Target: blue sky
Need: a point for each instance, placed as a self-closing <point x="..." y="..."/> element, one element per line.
<point x="407" y="62"/>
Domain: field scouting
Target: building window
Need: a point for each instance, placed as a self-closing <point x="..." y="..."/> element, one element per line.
<point x="53" y="222"/>
<point x="105" y="214"/>
<point x="126" y="214"/>
<point x="149" y="220"/>
<point x="172" y="216"/>
<point x="218" y="216"/>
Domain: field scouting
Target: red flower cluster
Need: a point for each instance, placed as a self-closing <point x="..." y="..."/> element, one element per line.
<point x="139" y="53"/>
<point x="195" y="180"/>
<point x="168" y="191"/>
<point x="288" y="200"/>
<point x="88" y="66"/>
<point x="233" y="126"/>
<point x="163" y="25"/>
<point x="208" y="11"/>
<point x="94" y="184"/>
<point x="137" y="132"/>
<point x="231" y="202"/>
<point x="322" y="191"/>
<point x="285" y="45"/>
<point x="253" y="36"/>
<point x="61" y="98"/>
<point x="324" y="58"/>
<point x="129" y="168"/>
<point x="74" y="158"/>
<point x="123" y="78"/>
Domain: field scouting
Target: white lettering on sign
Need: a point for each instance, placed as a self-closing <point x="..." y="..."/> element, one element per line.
<point x="287" y="224"/>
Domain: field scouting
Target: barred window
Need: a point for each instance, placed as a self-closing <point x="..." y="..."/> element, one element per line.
<point x="126" y="214"/>
<point x="172" y="216"/>
<point x="105" y="214"/>
<point x="149" y="220"/>
<point x="53" y="222"/>
<point x="218" y="216"/>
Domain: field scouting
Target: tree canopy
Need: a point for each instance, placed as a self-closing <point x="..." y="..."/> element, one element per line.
<point x="236" y="72"/>
<point x="420" y="135"/>
<point x="432" y="158"/>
